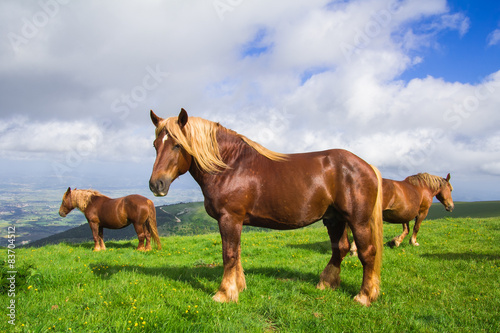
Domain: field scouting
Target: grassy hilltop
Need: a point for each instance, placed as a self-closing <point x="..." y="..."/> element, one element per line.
<point x="451" y="283"/>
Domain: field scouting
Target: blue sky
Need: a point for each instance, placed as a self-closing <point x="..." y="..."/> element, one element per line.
<point x="464" y="58"/>
<point x="410" y="86"/>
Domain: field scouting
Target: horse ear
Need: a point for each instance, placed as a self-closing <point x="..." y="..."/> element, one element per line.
<point x="68" y="190"/>
<point x="448" y="178"/>
<point x="183" y="118"/>
<point x="156" y="120"/>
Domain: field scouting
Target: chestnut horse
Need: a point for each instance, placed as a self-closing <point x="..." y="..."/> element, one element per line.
<point x="411" y="199"/>
<point x="246" y="184"/>
<point x="103" y="212"/>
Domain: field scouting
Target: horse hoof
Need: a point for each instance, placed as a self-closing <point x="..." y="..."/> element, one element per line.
<point x="322" y="285"/>
<point x="223" y="298"/>
<point x="392" y="244"/>
<point x="220" y="297"/>
<point x="362" y="299"/>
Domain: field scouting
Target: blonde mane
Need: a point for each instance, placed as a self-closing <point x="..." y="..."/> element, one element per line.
<point x="199" y="138"/>
<point x="431" y="181"/>
<point x="81" y="198"/>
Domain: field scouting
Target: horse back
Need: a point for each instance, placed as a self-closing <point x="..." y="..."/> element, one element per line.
<point x="137" y="207"/>
<point x="120" y="212"/>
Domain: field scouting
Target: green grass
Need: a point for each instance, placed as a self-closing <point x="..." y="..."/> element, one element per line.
<point x="451" y="283"/>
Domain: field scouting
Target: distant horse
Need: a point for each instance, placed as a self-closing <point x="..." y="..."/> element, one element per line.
<point x="246" y="184"/>
<point x="411" y="199"/>
<point x="103" y="212"/>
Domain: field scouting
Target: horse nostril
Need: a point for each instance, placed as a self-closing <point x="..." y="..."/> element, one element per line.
<point x="159" y="187"/>
<point x="152" y="186"/>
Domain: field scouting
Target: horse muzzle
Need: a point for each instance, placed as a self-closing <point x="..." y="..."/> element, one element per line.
<point x="62" y="213"/>
<point x="450" y="208"/>
<point x="160" y="186"/>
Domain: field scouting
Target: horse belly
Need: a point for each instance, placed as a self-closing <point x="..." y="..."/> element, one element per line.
<point x="286" y="213"/>
<point x="113" y="216"/>
<point x="114" y="223"/>
<point x="294" y="196"/>
<point x="398" y="216"/>
<point x="273" y="223"/>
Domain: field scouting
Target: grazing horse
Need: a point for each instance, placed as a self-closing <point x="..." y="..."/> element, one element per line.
<point x="103" y="212"/>
<point x="244" y="183"/>
<point x="411" y="199"/>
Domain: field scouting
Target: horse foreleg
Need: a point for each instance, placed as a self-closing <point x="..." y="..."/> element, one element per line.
<point x="139" y="229"/>
<point x="94" y="227"/>
<point x="416" y="228"/>
<point x="330" y="277"/>
<point x="396" y="241"/>
<point x="233" y="279"/>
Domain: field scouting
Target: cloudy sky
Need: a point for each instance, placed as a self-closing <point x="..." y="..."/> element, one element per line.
<point x="410" y="86"/>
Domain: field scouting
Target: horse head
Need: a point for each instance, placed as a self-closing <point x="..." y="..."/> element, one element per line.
<point x="444" y="195"/>
<point x="67" y="204"/>
<point x="172" y="160"/>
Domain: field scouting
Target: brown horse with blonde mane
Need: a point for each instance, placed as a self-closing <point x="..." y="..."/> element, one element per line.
<point x="246" y="184"/>
<point x="411" y="199"/>
<point x="104" y="212"/>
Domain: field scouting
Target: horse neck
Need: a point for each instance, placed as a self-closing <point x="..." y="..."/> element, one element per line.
<point x="435" y="193"/>
<point x="432" y="192"/>
<point x="79" y="203"/>
<point x="231" y="148"/>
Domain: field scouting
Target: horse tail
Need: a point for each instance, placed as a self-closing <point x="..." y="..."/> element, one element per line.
<point x="376" y="227"/>
<point x="151" y="224"/>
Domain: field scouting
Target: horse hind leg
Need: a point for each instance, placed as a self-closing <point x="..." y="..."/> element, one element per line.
<point x="141" y="235"/>
<point x="367" y="254"/>
<point x="353" y="248"/>
<point x="148" y="238"/>
<point x="396" y="241"/>
<point x="101" y="238"/>
<point x="330" y="277"/>
<point x="369" y="239"/>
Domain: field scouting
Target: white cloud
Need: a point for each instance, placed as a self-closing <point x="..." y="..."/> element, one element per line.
<point x="295" y="76"/>
<point x="492" y="168"/>
<point x="63" y="141"/>
<point x="494" y="37"/>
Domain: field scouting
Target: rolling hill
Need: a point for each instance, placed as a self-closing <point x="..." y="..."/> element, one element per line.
<point x="191" y="219"/>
